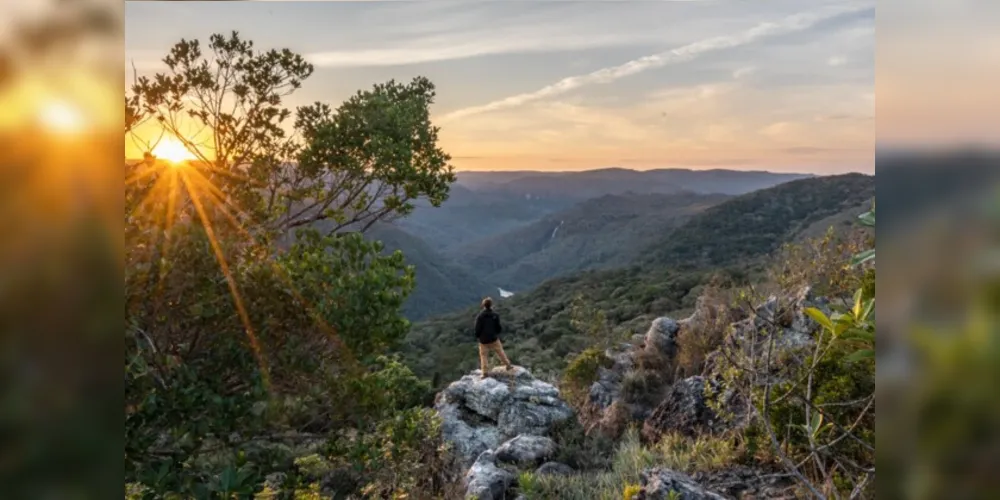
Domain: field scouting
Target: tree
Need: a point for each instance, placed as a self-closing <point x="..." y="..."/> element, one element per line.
<point x="231" y="336"/>
<point x="365" y="161"/>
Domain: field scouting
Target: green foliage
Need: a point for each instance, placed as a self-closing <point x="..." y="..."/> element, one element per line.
<point x="758" y="223"/>
<point x="817" y="404"/>
<point x="856" y="324"/>
<point x="403" y="164"/>
<point x="405" y="455"/>
<point x="581" y="450"/>
<point x="280" y="181"/>
<point x="527" y="484"/>
<point x="868" y="219"/>
<point x="381" y="392"/>
<point x="580" y="373"/>
<point x="819" y="263"/>
<point x="325" y="271"/>
<point x="243" y="340"/>
<point x="592" y="323"/>
<point x="702" y="453"/>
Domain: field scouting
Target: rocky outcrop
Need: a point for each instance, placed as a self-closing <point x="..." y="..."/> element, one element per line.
<point x="526" y="449"/>
<point x="661" y="337"/>
<point x="661" y="484"/>
<point x="479" y="413"/>
<point x="486" y="481"/>
<point x="683" y="405"/>
<point x="499" y="424"/>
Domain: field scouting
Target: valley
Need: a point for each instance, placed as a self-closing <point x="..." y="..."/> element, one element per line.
<point x="730" y="240"/>
<point x="511" y="231"/>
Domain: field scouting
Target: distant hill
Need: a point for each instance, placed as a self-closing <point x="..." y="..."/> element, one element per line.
<point x="441" y="284"/>
<point x="470" y="215"/>
<point x="733" y="238"/>
<point x="592" y="183"/>
<point x="485" y="204"/>
<point x="757" y="223"/>
<point x="606" y="231"/>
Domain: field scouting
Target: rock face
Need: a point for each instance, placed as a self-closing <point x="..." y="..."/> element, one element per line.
<point x="480" y="413"/>
<point x="684" y="411"/>
<point x="660" y="484"/>
<point x="468" y="435"/>
<point x="486" y="481"/>
<point x="526" y="449"/>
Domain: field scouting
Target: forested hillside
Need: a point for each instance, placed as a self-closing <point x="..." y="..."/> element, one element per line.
<point x="606" y="231"/>
<point x="440" y="283"/>
<point x="729" y="241"/>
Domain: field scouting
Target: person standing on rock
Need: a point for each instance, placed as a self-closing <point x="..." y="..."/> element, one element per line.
<point x="488" y="334"/>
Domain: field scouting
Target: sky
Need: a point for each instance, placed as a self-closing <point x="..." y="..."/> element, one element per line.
<point x="779" y="85"/>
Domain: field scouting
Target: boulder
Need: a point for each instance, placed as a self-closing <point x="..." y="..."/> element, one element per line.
<point x="684" y="411"/>
<point x="662" y="335"/>
<point x="486" y="481"/>
<point x="526" y="450"/>
<point x="554" y="469"/>
<point x="660" y="484"/>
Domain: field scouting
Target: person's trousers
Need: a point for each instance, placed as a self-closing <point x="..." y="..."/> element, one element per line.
<point x="497" y="348"/>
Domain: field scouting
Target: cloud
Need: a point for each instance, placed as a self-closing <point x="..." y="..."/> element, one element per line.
<point x="463" y="46"/>
<point x="790" y="24"/>
<point x="837" y="61"/>
<point x="744" y="72"/>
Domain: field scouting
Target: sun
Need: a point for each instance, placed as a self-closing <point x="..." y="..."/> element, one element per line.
<point x="61" y="116"/>
<point x="172" y="150"/>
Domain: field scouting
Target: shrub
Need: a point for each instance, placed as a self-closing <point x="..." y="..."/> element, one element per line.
<point x="581" y="373"/>
<point x="702" y="453"/>
<point x="641" y="386"/>
<point x="580" y="450"/>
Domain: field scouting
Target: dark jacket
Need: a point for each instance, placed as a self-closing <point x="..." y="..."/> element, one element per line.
<point x="488" y="327"/>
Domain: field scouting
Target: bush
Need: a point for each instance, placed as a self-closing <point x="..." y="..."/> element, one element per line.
<point x="642" y="386"/>
<point x="702" y="453"/>
<point x="581" y="373"/>
<point x="581" y="450"/>
<point x="405" y="457"/>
